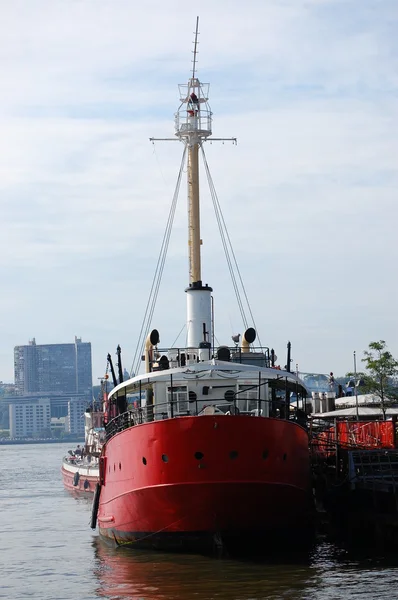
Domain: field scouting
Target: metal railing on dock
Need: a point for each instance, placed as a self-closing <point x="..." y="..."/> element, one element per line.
<point x="373" y="469"/>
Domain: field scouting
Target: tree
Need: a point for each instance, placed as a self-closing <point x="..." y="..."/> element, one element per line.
<point x="4" y="415"/>
<point x="382" y="367"/>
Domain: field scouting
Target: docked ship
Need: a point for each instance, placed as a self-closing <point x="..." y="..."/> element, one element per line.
<point x="80" y="467"/>
<point x="209" y="453"/>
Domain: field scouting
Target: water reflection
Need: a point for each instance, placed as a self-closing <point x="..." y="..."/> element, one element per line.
<point x="329" y="572"/>
<point x="81" y="498"/>
<point x="127" y="573"/>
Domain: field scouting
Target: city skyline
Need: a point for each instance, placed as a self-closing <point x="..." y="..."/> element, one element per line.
<point x="308" y="88"/>
<point x="95" y="382"/>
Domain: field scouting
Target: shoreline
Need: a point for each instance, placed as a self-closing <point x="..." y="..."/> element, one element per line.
<point x="73" y="440"/>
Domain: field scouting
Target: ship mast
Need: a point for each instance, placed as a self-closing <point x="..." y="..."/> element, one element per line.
<point x="193" y="121"/>
<point x="194" y="241"/>
<point x="193" y="127"/>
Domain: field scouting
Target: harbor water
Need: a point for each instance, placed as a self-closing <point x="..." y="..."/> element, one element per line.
<point x="48" y="551"/>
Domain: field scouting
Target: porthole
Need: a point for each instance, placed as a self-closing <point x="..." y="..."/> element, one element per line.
<point x="265" y="454"/>
<point x="233" y="454"/>
<point x="114" y="467"/>
<point x="144" y="460"/>
<point x="199" y="455"/>
<point x="120" y="466"/>
<point x="165" y="458"/>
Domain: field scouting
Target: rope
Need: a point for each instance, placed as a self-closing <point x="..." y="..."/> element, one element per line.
<point x="228" y="250"/>
<point x="158" y="163"/>
<point x="223" y="239"/>
<point x="157" y="278"/>
<point x="180" y="332"/>
<point x="145" y="537"/>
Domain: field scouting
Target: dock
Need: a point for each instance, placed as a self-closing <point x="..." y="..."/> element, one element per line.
<point x="355" y="480"/>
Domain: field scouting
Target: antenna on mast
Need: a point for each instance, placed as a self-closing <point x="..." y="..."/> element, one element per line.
<point x="195" y="52"/>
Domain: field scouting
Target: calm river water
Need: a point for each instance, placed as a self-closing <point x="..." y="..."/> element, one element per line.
<point x="48" y="551"/>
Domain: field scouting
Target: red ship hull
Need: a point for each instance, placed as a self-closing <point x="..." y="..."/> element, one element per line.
<point x="85" y="483"/>
<point x="191" y="482"/>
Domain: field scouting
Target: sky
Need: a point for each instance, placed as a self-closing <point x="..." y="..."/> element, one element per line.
<point x="309" y="194"/>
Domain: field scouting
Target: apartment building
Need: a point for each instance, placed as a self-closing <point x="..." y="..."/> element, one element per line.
<point x="29" y="417"/>
<point x="74" y="422"/>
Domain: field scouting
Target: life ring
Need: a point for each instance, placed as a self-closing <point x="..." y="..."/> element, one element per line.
<point x="76" y="478"/>
<point x="86" y="484"/>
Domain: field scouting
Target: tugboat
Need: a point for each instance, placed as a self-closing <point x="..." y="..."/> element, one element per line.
<point x="210" y="453"/>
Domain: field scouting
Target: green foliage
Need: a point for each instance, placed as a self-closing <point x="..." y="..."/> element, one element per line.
<point x="4" y="416"/>
<point x="44" y="433"/>
<point x="364" y="381"/>
<point x="381" y="369"/>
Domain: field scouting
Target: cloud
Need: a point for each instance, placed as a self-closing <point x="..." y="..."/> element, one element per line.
<point x="309" y="88"/>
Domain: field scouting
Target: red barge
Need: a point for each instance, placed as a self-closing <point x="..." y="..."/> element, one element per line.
<point x="203" y="449"/>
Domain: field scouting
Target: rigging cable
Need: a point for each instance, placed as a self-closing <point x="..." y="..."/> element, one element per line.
<point x="180" y="332"/>
<point x="226" y="241"/>
<point x="157" y="278"/>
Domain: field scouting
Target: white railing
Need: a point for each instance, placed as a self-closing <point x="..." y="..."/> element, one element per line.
<point x="187" y="123"/>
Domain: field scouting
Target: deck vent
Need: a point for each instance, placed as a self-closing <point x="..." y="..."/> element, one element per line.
<point x="224" y="353"/>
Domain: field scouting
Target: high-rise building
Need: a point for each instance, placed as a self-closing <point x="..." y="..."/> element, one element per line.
<point x="53" y="368"/>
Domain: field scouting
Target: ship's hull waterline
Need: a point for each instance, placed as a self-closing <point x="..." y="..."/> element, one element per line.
<point x="192" y="483"/>
<point x="86" y="480"/>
